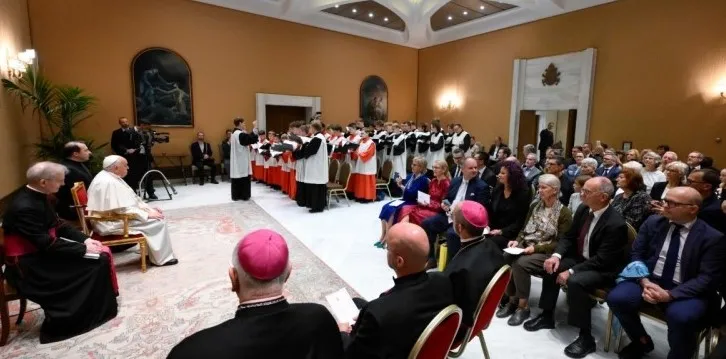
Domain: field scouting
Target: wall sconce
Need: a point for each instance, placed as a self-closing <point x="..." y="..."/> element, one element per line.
<point x="19" y="64"/>
<point x="721" y="88"/>
<point x="449" y="102"/>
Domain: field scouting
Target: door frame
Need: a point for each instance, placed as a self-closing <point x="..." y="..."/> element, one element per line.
<point x="587" y="62"/>
<point x="264" y="99"/>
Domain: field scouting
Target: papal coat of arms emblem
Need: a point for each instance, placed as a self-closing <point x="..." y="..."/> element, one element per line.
<point x="551" y="76"/>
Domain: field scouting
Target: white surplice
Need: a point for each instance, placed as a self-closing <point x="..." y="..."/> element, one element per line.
<point x="109" y="193"/>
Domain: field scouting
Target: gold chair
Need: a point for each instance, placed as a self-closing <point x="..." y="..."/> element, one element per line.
<point x="436" y="339"/>
<point x="7" y="295"/>
<point x="386" y="173"/>
<point x="340" y="187"/>
<point x="333" y="168"/>
<point x="80" y="199"/>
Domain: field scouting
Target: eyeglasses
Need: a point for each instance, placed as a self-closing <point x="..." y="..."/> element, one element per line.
<point x="588" y="192"/>
<point x="672" y="203"/>
<point x="690" y="181"/>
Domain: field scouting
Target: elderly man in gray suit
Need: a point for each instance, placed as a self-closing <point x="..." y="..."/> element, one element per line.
<point x="530" y="170"/>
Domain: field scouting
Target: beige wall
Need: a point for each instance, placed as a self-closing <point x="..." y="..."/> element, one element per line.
<point x="232" y="56"/>
<point x="658" y="63"/>
<point x="17" y="131"/>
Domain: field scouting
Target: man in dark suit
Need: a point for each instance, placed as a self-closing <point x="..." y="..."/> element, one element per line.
<point x="265" y="324"/>
<point x="685" y="258"/>
<point x="609" y="168"/>
<point x="471" y="270"/>
<point x="484" y="172"/>
<point x="531" y="172"/>
<point x="458" y="155"/>
<point x="706" y="182"/>
<point x="467" y="187"/>
<point x="202" y="156"/>
<point x="75" y="154"/>
<point x="389" y="326"/>
<point x="128" y="142"/>
<point x="556" y="166"/>
<point x="546" y="140"/>
<point x="494" y="148"/>
<point x="588" y="256"/>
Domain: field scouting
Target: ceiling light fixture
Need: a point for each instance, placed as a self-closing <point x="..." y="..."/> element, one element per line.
<point x="450" y="17"/>
<point x="465" y="13"/>
<point x="370" y="15"/>
<point x="355" y="11"/>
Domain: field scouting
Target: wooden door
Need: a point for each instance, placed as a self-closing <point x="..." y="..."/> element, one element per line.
<point x="279" y="117"/>
<point x="570" y="142"/>
<point x="527" y="130"/>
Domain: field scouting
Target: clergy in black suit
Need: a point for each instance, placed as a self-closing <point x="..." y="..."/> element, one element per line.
<point x="684" y="258"/>
<point x="474" y="266"/>
<point x="265" y="324"/>
<point x="202" y="156"/>
<point x="389" y="326"/>
<point x="127" y="142"/>
<point x="467" y="187"/>
<point x="588" y="256"/>
<point x="75" y="153"/>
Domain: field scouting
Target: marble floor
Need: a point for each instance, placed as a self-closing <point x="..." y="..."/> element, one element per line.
<point x="343" y="238"/>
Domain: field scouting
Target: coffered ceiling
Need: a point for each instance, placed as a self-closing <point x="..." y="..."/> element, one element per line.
<point x="412" y="23"/>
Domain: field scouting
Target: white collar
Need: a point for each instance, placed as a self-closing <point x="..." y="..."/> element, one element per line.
<point x="686" y="225"/>
<point x="599" y="212"/>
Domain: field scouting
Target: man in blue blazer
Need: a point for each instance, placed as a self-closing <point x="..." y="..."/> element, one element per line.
<point x="467" y="187"/>
<point x="685" y="258"/>
<point x="609" y="168"/>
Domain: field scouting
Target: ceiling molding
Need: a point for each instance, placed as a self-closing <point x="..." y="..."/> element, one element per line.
<point x="415" y="14"/>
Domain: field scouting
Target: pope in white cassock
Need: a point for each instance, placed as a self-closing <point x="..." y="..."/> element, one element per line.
<point x="109" y="193"/>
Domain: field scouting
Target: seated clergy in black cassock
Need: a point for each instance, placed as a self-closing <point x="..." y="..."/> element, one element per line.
<point x="75" y="155"/>
<point x="265" y="324"/>
<point x="51" y="263"/>
<point x="588" y="256"/>
<point x="389" y="326"/>
<point x="474" y="266"/>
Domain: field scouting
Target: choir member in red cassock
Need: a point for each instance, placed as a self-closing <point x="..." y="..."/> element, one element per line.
<point x="363" y="180"/>
<point x="51" y="263"/>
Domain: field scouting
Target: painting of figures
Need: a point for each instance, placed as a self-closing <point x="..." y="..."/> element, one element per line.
<point x="373" y="100"/>
<point x="162" y="88"/>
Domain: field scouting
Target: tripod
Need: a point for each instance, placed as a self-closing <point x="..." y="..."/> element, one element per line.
<point x="165" y="182"/>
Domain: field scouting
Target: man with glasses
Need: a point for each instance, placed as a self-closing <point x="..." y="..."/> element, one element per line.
<point x="531" y="172"/>
<point x="556" y="166"/>
<point x="458" y="155"/>
<point x="588" y="256"/>
<point x="706" y="182"/>
<point x="684" y="260"/>
<point x="609" y="168"/>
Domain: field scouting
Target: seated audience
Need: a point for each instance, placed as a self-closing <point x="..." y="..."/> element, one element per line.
<point x="467" y="187"/>
<point x="485" y="173"/>
<point x="683" y="259"/>
<point x="610" y="167"/>
<point x="573" y="153"/>
<point x="705" y="182"/>
<point x="634" y="202"/>
<point x="589" y="256"/>
<point x="438" y="188"/>
<point x="415" y="182"/>
<point x="694" y="161"/>
<point x="546" y="221"/>
<point x="471" y="270"/>
<point x="575" y="199"/>
<point x="264" y="319"/>
<point x="510" y="202"/>
<point x="720" y="190"/>
<point x="389" y="326"/>
<point x="676" y="175"/>
<point x="651" y="173"/>
<point x="75" y="154"/>
<point x="45" y="260"/>
<point x="573" y="170"/>
<point x="588" y="166"/>
<point x="555" y="166"/>
<point x="108" y="193"/>
<point x="668" y="157"/>
<point x="531" y="172"/>
<point x="458" y="156"/>
<point x="632" y="155"/>
<point x="202" y="156"/>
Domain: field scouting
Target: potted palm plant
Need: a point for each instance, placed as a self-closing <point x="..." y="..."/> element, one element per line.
<point x="59" y="109"/>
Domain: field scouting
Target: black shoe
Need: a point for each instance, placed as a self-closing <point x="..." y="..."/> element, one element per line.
<point x="153" y="196"/>
<point x="171" y="262"/>
<point x="215" y="182"/>
<point x="518" y="317"/>
<point x="581" y="347"/>
<point x="507" y="310"/>
<point x="636" y="350"/>
<point x="539" y="322"/>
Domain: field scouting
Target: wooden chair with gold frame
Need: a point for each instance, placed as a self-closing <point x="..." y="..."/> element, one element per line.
<point x="488" y="304"/>
<point x="80" y="200"/>
<point x="435" y="341"/>
<point x="8" y="294"/>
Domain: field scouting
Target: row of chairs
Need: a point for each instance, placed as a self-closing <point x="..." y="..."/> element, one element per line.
<point x="339" y="179"/>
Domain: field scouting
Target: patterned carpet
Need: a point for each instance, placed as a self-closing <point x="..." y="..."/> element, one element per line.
<point x="157" y="309"/>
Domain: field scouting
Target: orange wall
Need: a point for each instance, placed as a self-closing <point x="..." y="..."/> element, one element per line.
<point x="232" y="56"/>
<point x="17" y="131"/>
<point x="658" y="62"/>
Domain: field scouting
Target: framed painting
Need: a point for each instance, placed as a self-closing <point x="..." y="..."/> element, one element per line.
<point x="373" y="100"/>
<point x="627" y="145"/>
<point x="162" y="88"/>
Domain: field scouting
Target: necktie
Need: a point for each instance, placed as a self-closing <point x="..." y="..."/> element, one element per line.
<point x="458" y="171"/>
<point x="583" y="233"/>
<point x="605" y="173"/>
<point x="669" y="267"/>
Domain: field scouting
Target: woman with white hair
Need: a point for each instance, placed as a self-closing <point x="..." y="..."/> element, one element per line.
<point x="547" y="219"/>
<point x="651" y="174"/>
<point x="676" y="174"/>
<point x="588" y="167"/>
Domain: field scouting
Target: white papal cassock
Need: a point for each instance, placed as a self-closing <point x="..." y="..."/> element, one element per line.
<point x="109" y="193"/>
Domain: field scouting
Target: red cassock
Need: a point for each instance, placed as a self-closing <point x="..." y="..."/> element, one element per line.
<point x="363" y="180"/>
